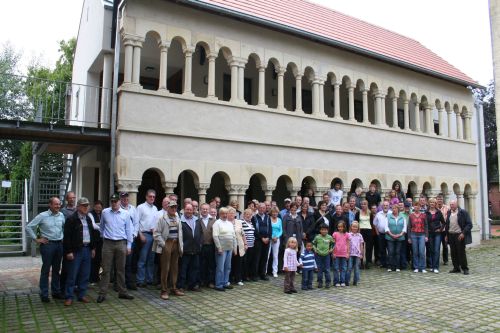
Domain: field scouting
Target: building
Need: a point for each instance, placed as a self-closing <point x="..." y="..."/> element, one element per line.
<point x="266" y="99"/>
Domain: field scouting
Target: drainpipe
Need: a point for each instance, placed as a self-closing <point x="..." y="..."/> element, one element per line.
<point x="114" y="103"/>
<point x="482" y="207"/>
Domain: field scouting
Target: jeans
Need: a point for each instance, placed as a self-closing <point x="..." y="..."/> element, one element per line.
<point x="382" y="250"/>
<point x="354" y="263"/>
<point x="339" y="269"/>
<point x="418" y="249"/>
<point x="190" y="267"/>
<point x="145" y="265"/>
<point x="403" y="258"/>
<point x="223" y="267"/>
<point x="51" y="258"/>
<point x="274" y="248"/>
<point x="323" y="263"/>
<point x="435" y="245"/>
<point x="307" y="278"/>
<point x="78" y="271"/>
<point x="394" y="247"/>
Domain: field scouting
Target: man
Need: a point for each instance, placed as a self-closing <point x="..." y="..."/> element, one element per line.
<point x="444" y="210"/>
<point x="187" y="201"/>
<point x="349" y="215"/>
<point x="263" y="232"/>
<point x="380" y="223"/>
<point x="192" y="237"/>
<point x="353" y="205"/>
<point x="168" y="243"/>
<point x="117" y="233"/>
<point x="96" y="214"/>
<point x="423" y="203"/>
<point x="372" y="196"/>
<point x="146" y="217"/>
<point x="458" y="229"/>
<point x="217" y="202"/>
<point x="131" y="261"/>
<point x="306" y="201"/>
<point x="79" y="248"/>
<point x="268" y="207"/>
<point x="286" y="210"/>
<point x="335" y="218"/>
<point x="70" y="207"/>
<point x="50" y="225"/>
<point x="298" y="201"/>
<point x="196" y="206"/>
<point x="207" y="256"/>
<point x="335" y="194"/>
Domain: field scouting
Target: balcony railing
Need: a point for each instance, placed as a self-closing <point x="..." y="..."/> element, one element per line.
<point x="40" y="100"/>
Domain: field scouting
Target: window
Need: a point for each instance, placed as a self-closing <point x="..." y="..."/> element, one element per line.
<point x="401" y="118"/>
<point x="358" y="111"/>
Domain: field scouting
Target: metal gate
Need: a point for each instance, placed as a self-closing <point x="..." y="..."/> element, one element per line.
<point x="13" y="217"/>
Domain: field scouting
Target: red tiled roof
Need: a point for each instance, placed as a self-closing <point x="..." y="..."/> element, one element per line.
<point x="344" y="29"/>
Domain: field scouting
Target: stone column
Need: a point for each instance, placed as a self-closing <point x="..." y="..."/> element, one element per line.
<point x="448" y="114"/>
<point x="440" y="121"/>
<point x="130" y="186"/>
<point x="233" y="193"/>
<point x="188" y="71"/>
<point x="350" y="91"/>
<point x="459" y="126"/>
<point x="234" y="80"/>
<point x="336" y="95"/>
<point x="163" y="65"/>
<point x="460" y="199"/>
<point x="136" y="64"/>
<point x="241" y="81"/>
<point x="128" y="62"/>
<point x="416" y="196"/>
<point x="169" y="188"/>
<point x="428" y="120"/>
<point x="211" y="75"/>
<point x="321" y="89"/>
<point x="241" y="197"/>
<point x="468" y="133"/>
<point x="378" y="110"/>
<point x="202" y="193"/>
<point x="417" y="117"/>
<point x="298" y="92"/>
<point x="315" y="97"/>
<point x="394" y="112"/>
<point x="262" y="87"/>
<point x="406" y="111"/>
<point x="366" y="119"/>
<point x="281" y="88"/>
<point x="106" y="95"/>
<point x="471" y="199"/>
<point x="293" y="194"/>
<point x="269" y="193"/>
<point x="382" y="110"/>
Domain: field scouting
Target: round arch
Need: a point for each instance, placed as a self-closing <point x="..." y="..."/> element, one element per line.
<point x="219" y="185"/>
<point x="256" y="188"/>
<point x="187" y="186"/>
<point x="152" y="179"/>
<point x="284" y="187"/>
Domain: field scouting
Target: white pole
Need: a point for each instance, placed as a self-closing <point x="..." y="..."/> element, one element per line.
<point x="482" y="207"/>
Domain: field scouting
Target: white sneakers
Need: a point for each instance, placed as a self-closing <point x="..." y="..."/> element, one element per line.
<point x="241" y="283"/>
<point x="424" y="271"/>
<point x="342" y="285"/>
<point x="436" y="271"/>
<point x="389" y="270"/>
<point x="275" y="275"/>
<point x="415" y="271"/>
<point x="398" y="270"/>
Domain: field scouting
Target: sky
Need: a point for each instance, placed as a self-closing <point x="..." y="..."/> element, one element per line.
<point x="457" y="30"/>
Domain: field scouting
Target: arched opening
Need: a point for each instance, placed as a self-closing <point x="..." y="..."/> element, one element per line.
<point x="456" y="193"/>
<point x="307" y="97"/>
<point x="307" y="183"/>
<point x="344" y="97"/>
<point x="256" y="187"/>
<point x="152" y="179"/>
<point x="219" y="184"/>
<point x="427" y="189"/>
<point x="150" y="61"/>
<point x="283" y="190"/>
<point x="354" y="185"/>
<point x="251" y="82"/>
<point x="200" y="70"/>
<point x="444" y="192"/>
<point x="223" y="75"/>
<point x="468" y="199"/>
<point x="290" y="87"/>
<point x="390" y="117"/>
<point x="329" y="93"/>
<point x="401" y="105"/>
<point x="413" y="111"/>
<point x="187" y="184"/>
<point x="337" y="180"/>
<point x="272" y="83"/>
<point x="412" y="190"/>
<point x="398" y="187"/>
<point x="175" y="66"/>
<point x="372" y="95"/>
<point x="358" y="101"/>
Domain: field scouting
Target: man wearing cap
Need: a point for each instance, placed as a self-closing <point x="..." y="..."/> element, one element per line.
<point x="146" y="216"/>
<point x="286" y="210"/>
<point x="50" y="225"/>
<point x="116" y="231"/>
<point x="168" y="243"/>
<point x="79" y="248"/>
<point x="131" y="261"/>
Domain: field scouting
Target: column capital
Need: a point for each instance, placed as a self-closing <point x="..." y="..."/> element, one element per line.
<point x="364" y="91"/>
<point x="131" y="38"/>
<point x="299" y="75"/>
<point x="270" y="188"/>
<point x="163" y="45"/>
<point x="280" y="70"/>
<point x="336" y="85"/>
<point x="380" y="95"/>
<point x="128" y="185"/>
<point x="169" y="184"/>
<point x="211" y="56"/>
<point x="188" y="50"/>
<point x="261" y="68"/>
<point x="395" y="98"/>
<point x="429" y="107"/>
<point x="458" y="112"/>
<point x="236" y="189"/>
<point x="138" y="41"/>
<point x="351" y="87"/>
<point x="203" y="187"/>
<point x="406" y="101"/>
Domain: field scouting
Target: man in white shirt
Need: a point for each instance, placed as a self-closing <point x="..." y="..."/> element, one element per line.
<point x="380" y="223"/>
<point x="146" y="217"/>
<point x="131" y="261"/>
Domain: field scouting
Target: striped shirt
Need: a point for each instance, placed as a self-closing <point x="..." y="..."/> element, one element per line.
<point x="249" y="231"/>
<point x="307" y="260"/>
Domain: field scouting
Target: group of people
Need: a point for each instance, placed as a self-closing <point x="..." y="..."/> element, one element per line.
<point x="218" y="247"/>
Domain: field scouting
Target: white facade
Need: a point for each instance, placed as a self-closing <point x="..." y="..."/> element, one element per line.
<point x="215" y="100"/>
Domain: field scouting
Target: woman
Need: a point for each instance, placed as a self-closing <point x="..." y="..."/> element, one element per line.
<point x="307" y="223"/>
<point x="321" y="216"/>
<point x="312" y="199"/>
<point x="436" y="223"/>
<point x="418" y="236"/>
<point x="292" y="226"/>
<point x="399" y="191"/>
<point x="225" y="244"/>
<point x="395" y="231"/>
<point x="241" y="246"/>
<point x="365" y="228"/>
<point x="277" y="232"/>
<point x="248" y="259"/>
<point x="235" y="205"/>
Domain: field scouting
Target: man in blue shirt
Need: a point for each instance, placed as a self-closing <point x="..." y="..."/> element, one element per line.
<point x="117" y="233"/>
<point x="50" y="225"/>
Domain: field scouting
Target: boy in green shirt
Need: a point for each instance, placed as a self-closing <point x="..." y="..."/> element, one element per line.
<point x="323" y="247"/>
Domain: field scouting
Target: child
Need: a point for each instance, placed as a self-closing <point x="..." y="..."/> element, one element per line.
<point x="308" y="265"/>
<point x="357" y="248"/>
<point x="290" y="265"/>
<point x="340" y="254"/>
<point x="323" y="247"/>
<point x="335" y="194"/>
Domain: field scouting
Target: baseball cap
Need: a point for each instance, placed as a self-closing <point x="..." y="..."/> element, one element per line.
<point x="288" y="200"/>
<point x="115" y="197"/>
<point x="172" y="204"/>
<point x="123" y="194"/>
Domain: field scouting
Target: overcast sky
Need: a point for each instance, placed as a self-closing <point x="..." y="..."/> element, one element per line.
<point x="457" y="30"/>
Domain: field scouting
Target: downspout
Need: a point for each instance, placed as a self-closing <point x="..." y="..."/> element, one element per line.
<point x="114" y="102"/>
<point x="482" y="207"/>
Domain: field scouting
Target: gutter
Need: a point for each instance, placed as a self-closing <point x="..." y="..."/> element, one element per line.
<point x="482" y="207"/>
<point x="307" y="35"/>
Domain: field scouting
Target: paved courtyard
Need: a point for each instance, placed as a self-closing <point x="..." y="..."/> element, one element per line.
<point x="395" y="302"/>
